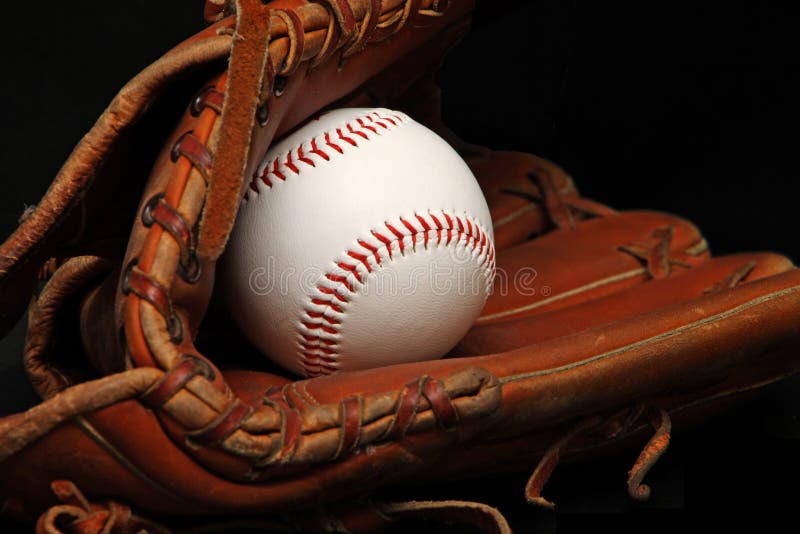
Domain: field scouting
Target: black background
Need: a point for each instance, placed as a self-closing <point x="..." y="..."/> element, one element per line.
<point x="684" y="107"/>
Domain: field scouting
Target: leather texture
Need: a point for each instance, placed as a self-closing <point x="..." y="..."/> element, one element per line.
<point x="357" y="230"/>
<point x="155" y="410"/>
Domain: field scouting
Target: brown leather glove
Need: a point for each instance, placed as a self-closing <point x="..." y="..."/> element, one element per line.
<point x="153" y="402"/>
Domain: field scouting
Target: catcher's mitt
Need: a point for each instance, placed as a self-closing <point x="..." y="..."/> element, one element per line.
<point x="145" y="402"/>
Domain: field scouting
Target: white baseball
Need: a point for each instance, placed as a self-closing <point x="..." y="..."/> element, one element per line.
<point x="363" y="240"/>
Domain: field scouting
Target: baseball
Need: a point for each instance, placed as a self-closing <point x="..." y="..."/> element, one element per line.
<point x="363" y="240"/>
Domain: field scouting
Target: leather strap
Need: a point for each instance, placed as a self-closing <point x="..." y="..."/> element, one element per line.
<point x="247" y="76"/>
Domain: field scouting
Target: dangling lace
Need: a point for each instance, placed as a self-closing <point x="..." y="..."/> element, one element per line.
<point x="602" y="429"/>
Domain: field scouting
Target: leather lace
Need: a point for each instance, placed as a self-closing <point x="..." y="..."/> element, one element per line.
<point x="599" y="429"/>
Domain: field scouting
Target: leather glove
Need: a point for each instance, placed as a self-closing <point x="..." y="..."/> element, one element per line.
<point x="153" y="402"/>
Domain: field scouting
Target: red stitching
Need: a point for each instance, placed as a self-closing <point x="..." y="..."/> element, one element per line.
<point x="289" y="164"/>
<point x="320" y="315"/>
<point x="264" y="179"/>
<point x="350" y="268"/>
<point x="322" y="361"/>
<point x="371" y="249"/>
<point x="302" y="157"/>
<point x="332" y="145"/>
<point x="414" y="233"/>
<point x="345" y="138"/>
<point x="316" y="150"/>
<point x="315" y="370"/>
<point x="341" y="280"/>
<point x="386" y="119"/>
<point x="438" y="229"/>
<point x="318" y="353"/>
<point x="325" y="350"/>
<point x="385" y="240"/>
<point x="367" y="126"/>
<point x="399" y="237"/>
<point x="319" y="343"/>
<point x="277" y="172"/>
<point x="320" y="326"/>
<point x="425" y="226"/>
<point x="362" y="258"/>
<point x="357" y="132"/>
<point x="362" y="126"/>
<point x="311" y="338"/>
<point x="408" y="225"/>
<point x="333" y="292"/>
<point x="322" y="302"/>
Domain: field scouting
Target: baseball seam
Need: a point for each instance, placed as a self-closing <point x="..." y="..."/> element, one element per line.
<point x="326" y="145"/>
<point x="319" y="330"/>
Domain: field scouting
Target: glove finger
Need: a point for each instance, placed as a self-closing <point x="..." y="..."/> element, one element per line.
<point x="716" y="275"/>
<point x="597" y="258"/>
<point x="528" y="196"/>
